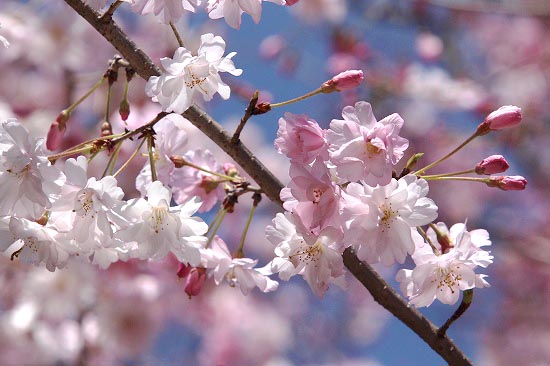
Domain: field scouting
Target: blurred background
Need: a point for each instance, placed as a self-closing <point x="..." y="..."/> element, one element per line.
<point x="442" y="65"/>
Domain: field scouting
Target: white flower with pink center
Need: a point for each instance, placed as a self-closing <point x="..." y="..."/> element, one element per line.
<point x="318" y="258"/>
<point x="187" y="76"/>
<point x="363" y="149"/>
<point x="238" y="272"/>
<point x="443" y="275"/>
<point x="378" y="220"/>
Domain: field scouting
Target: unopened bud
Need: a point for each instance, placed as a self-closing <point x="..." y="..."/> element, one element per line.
<point x="343" y="81"/>
<point x="208" y="184"/>
<point x="55" y="136"/>
<point x="106" y="129"/>
<point x="178" y="161"/>
<point x="493" y="164"/>
<point x="194" y="281"/>
<point x="508" y="183"/>
<point x="124" y="109"/>
<point x="505" y="117"/>
<point x="262" y="108"/>
<point x="291" y="2"/>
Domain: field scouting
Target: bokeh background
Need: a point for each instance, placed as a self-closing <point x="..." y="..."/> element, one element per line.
<point x="442" y="65"/>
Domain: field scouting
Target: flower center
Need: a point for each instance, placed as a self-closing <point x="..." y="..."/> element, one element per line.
<point x="307" y="254"/>
<point x="448" y="278"/>
<point x="158" y="218"/>
<point x="317" y="193"/>
<point x="84" y="203"/>
<point x="388" y="216"/>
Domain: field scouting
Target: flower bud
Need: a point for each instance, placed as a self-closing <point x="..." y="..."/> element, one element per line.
<point x="291" y="2"/>
<point x="505" y="117"/>
<point x="194" y="281"/>
<point x="230" y="169"/>
<point x="508" y="183"/>
<point x="346" y="80"/>
<point x="124" y="109"/>
<point x="178" y="161"/>
<point x="493" y="164"/>
<point x="55" y="136"/>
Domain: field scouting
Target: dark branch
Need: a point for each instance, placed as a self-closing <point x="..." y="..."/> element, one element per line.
<point x="383" y="293"/>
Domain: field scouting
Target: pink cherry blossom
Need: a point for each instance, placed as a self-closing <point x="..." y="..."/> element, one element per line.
<point x="301" y="139"/>
<point x="362" y="148"/>
<point x="312" y="195"/>
<point x="170" y="10"/>
<point x="232" y="10"/>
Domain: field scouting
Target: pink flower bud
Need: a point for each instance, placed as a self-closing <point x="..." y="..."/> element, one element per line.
<point x="194" y="281"/>
<point x="343" y="81"/>
<point x="505" y="117"/>
<point x="124" y="109"/>
<point x="493" y="164"/>
<point x="291" y="2"/>
<point x="508" y="183"/>
<point x="55" y="136"/>
<point x="183" y="270"/>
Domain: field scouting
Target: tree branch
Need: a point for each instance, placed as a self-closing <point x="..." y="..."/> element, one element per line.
<point x="383" y="293"/>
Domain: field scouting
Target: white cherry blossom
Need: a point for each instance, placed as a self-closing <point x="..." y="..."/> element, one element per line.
<point x="237" y="271"/>
<point x="318" y="258"/>
<point x="27" y="179"/>
<point x="169" y="10"/>
<point x="158" y="229"/>
<point x="33" y="243"/>
<point x="378" y="220"/>
<point x="232" y="10"/>
<point x="187" y="76"/>
<point x="443" y="275"/>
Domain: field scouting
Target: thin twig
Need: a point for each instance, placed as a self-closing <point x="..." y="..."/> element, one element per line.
<point x="176" y="33"/>
<point x="247" y="114"/>
<point x="109" y="12"/>
<point x="467" y="298"/>
<point x="271" y="186"/>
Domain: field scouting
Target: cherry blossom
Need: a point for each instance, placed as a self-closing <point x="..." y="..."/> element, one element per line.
<point x="188" y="182"/>
<point x="187" y="76"/>
<point x="158" y="228"/>
<point x="237" y="271"/>
<point x="27" y="179"/>
<point x="301" y="139"/>
<point x="318" y="258"/>
<point x="312" y="195"/>
<point x="362" y="148"/>
<point x="232" y="10"/>
<point x="443" y="276"/>
<point x="33" y="243"/>
<point x="170" y="10"/>
<point x="378" y="220"/>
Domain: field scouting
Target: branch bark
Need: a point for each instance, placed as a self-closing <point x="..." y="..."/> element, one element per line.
<point x="381" y="291"/>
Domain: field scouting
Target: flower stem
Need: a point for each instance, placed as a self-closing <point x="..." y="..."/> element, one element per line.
<point x="305" y="96"/>
<point x="150" y="144"/>
<point x="448" y="174"/>
<point x="467" y="298"/>
<point x="70" y="109"/>
<point x="469" y="179"/>
<point x="216" y="225"/>
<point x="176" y="33"/>
<point x="239" y="253"/>
<point x="427" y="238"/>
<point x="129" y="159"/>
<point x="437" y="162"/>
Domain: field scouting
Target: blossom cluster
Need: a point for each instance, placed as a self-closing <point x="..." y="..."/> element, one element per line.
<point x="344" y="193"/>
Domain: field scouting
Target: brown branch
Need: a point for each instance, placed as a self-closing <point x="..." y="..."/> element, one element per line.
<point x="383" y="293"/>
